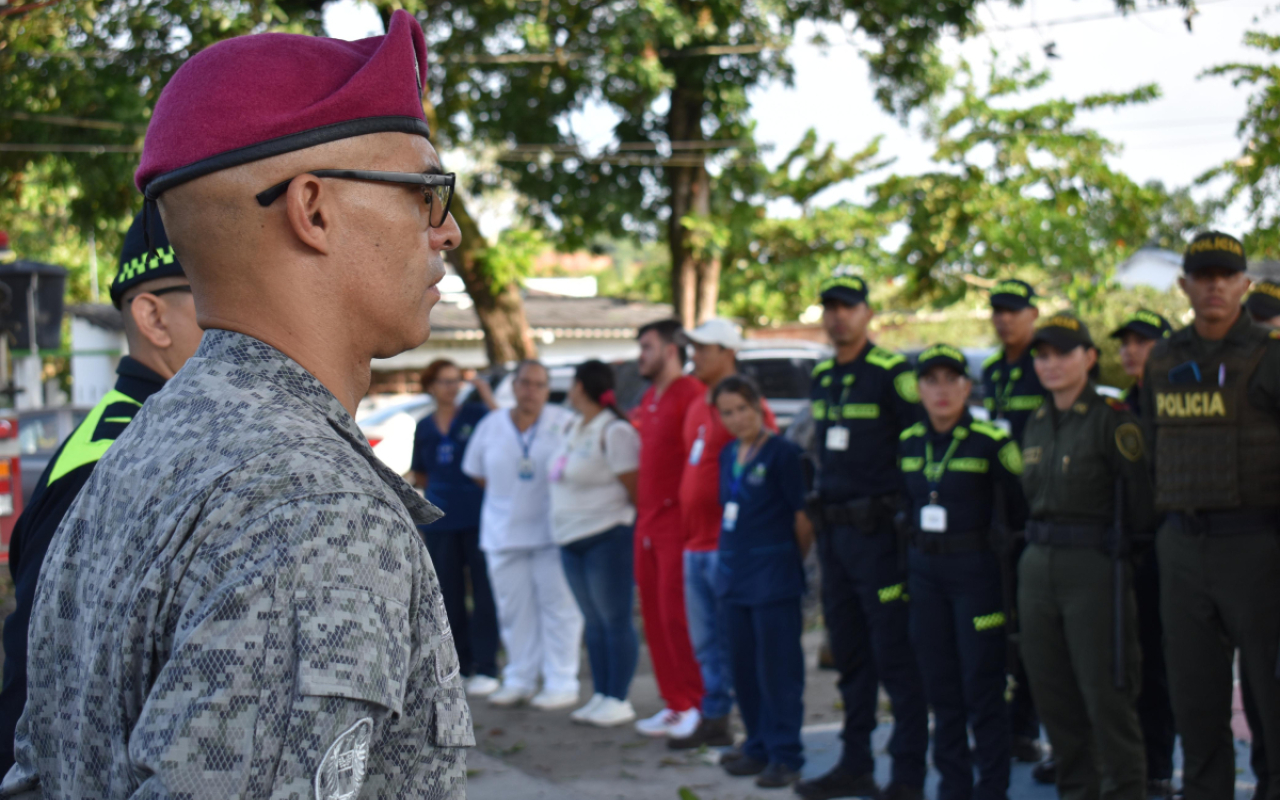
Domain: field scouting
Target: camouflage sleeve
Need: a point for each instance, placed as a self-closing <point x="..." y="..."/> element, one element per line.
<point x="319" y="664"/>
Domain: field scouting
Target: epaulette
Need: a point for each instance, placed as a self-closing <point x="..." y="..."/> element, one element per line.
<point x="915" y="430"/>
<point x="1116" y="405"/>
<point x="822" y="366"/>
<point x="884" y="359"/>
<point x="993" y="358"/>
<point x="988" y="430"/>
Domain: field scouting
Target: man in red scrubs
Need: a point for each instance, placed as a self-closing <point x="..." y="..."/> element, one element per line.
<point x="659" y="539"/>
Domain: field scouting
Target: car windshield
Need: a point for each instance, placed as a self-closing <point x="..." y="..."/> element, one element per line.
<point x="38" y="433"/>
<point x="780" y="378"/>
<point x="382" y="415"/>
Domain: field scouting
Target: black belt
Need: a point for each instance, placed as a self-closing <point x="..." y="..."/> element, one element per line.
<point x="866" y="513"/>
<point x="1238" y="522"/>
<point x="946" y="543"/>
<point x="1068" y="534"/>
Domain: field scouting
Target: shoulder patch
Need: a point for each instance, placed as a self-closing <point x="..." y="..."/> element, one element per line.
<point x="915" y="430"/>
<point x="1129" y="441"/>
<point x="987" y="429"/>
<point x="342" y="770"/>
<point x="821" y="367"/>
<point x="1117" y="405"/>
<point x="1011" y="457"/>
<point x="1273" y="333"/>
<point x="884" y="359"/>
<point x="906" y="385"/>
<point x="993" y="358"/>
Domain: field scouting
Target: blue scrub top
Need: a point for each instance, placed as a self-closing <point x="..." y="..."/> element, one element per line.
<point x="439" y="457"/>
<point x="759" y="558"/>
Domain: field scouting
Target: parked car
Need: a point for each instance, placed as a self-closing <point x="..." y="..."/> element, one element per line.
<point x="390" y="429"/>
<point x="784" y="371"/>
<point x="40" y="432"/>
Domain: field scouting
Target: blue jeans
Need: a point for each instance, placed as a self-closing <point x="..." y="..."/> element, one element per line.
<point x="707" y="632"/>
<point x="599" y="571"/>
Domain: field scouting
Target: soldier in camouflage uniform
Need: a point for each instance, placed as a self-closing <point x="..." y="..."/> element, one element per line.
<point x="238" y="604"/>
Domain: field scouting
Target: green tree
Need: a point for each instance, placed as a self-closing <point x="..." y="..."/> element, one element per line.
<point x="1253" y="177"/>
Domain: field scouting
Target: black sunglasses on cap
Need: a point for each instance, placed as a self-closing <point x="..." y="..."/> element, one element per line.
<point x="437" y="187"/>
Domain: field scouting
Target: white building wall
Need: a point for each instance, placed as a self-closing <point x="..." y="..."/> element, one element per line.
<point x="93" y="375"/>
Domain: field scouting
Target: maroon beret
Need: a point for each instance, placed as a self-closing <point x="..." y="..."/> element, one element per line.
<point x="253" y="97"/>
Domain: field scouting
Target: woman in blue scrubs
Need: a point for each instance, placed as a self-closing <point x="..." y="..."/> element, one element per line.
<point x="454" y="541"/>
<point x="763" y="538"/>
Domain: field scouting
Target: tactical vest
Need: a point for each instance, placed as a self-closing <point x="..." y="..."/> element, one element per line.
<point x="1214" y="449"/>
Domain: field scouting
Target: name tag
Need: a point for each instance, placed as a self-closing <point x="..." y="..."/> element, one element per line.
<point x="933" y="519"/>
<point x="730" y="515"/>
<point x="526" y="469"/>
<point x="695" y="452"/>
<point x="837" y="438"/>
<point x="1003" y="424"/>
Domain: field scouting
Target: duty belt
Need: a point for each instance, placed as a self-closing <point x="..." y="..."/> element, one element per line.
<point x="946" y="543"/>
<point x="1238" y="522"/>
<point x="866" y="513"/>
<point x="1065" y="534"/>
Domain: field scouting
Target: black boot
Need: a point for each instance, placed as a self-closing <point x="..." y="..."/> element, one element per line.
<point x="839" y="782"/>
<point x="1026" y="750"/>
<point x="710" y="732"/>
<point x="1045" y="772"/>
<point x="745" y="766"/>
<point x="777" y="776"/>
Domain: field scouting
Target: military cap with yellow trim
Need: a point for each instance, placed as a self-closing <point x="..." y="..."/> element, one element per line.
<point x="942" y="355"/>
<point x="1146" y="323"/>
<point x="1063" y="331"/>
<point x="844" y="286"/>
<point x="1264" y="301"/>
<point x="1214" y="249"/>
<point x="1013" y="295"/>
<point x="139" y="264"/>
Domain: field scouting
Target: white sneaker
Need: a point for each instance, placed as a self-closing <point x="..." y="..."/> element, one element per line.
<point x="686" y="723"/>
<point x="611" y="712"/>
<point x="553" y="701"/>
<point x="584" y="714"/>
<point x="509" y="696"/>
<point x="657" y="725"/>
<point x="482" y="685"/>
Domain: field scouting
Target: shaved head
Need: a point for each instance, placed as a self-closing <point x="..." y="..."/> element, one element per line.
<point x="334" y="270"/>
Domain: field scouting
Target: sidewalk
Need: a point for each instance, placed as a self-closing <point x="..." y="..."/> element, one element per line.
<point x="523" y="754"/>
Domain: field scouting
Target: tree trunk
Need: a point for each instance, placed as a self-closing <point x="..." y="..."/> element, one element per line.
<point x="695" y="281"/>
<point x="506" y="330"/>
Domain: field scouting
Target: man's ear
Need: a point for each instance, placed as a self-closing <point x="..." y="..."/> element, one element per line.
<point x="307" y="206"/>
<point x="1182" y="284"/>
<point x="148" y="318"/>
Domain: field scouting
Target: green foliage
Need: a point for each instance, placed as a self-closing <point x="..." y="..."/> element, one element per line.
<point x="1254" y="176"/>
<point x="510" y="257"/>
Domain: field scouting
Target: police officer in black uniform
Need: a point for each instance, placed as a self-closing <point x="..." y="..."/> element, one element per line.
<point x="1011" y="393"/>
<point x="862" y="401"/>
<point x="1138" y="335"/>
<point x="1263" y="303"/>
<point x="964" y="494"/>
<point x="160" y="326"/>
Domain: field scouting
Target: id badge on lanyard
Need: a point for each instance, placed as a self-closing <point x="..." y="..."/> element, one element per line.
<point x="838" y="438"/>
<point x="699" y="445"/>
<point x="933" y="518"/>
<point x="730" y="515"/>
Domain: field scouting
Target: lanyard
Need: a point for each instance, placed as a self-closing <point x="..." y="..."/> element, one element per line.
<point x="526" y="444"/>
<point x="933" y="472"/>
<point x="740" y="467"/>
<point x="1003" y="392"/>
<point x="844" y="393"/>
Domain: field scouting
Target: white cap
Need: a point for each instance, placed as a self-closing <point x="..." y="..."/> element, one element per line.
<point x="716" y="331"/>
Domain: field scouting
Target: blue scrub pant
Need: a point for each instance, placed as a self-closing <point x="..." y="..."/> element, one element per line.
<point x="457" y="557"/>
<point x="864" y="603"/>
<point x="957" y="627"/>
<point x="768" y="674"/>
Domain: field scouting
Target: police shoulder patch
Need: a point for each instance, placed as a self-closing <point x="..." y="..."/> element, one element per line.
<point x="907" y="388"/>
<point x="1011" y="457"/>
<point x="342" y="770"/>
<point x="1129" y="441"/>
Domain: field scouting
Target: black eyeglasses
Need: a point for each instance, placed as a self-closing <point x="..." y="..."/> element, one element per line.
<point x="437" y="188"/>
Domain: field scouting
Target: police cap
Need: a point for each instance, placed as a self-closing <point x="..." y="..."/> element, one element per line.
<point x="1145" y="323"/>
<point x="942" y="355"/>
<point x="1063" y="331"/>
<point x="844" y="286"/>
<point x="1264" y="301"/>
<point x="1013" y="295"/>
<point x="137" y="263"/>
<point x="1214" y="249"/>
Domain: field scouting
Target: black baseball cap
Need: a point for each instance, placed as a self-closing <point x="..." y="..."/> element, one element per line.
<point x="138" y="264"/>
<point x="1214" y="249"/>
<point x="1063" y="331"/>
<point x="844" y="286"/>
<point x="1264" y="301"/>
<point x="942" y="355"/>
<point x="1012" y="294"/>
<point x="1147" y="324"/>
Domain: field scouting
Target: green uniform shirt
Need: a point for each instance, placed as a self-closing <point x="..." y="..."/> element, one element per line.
<point x="1071" y="460"/>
